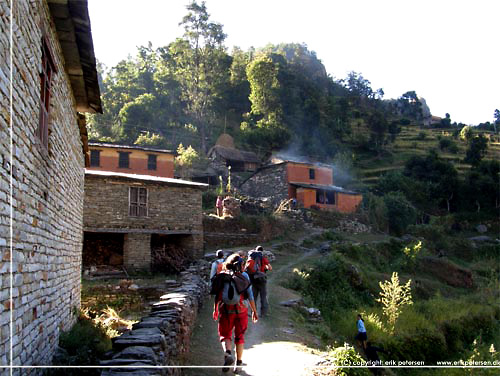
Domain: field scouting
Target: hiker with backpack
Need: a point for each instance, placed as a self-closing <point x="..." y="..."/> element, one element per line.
<point x="256" y="266"/>
<point x="217" y="264"/>
<point x="231" y="288"/>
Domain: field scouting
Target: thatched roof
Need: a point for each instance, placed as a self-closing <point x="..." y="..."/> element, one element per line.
<point x="234" y="154"/>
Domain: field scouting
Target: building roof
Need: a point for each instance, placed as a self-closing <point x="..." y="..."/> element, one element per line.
<point x="234" y="154"/>
<point x="146" y="178"/>
<point x="325" y="188"/>
<point x="72" y="23"/>
<point x="132" y="147"/>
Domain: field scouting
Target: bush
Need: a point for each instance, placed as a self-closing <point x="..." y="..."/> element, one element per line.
<point x="347" y="355"/>
<point x="421" y="136"/>
<point x="208" y="199"/>
<point x="400" y="212"/>
<point x="85" y="344"/>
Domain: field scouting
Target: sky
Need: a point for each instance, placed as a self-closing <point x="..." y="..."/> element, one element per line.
<point x="447" y="51"/>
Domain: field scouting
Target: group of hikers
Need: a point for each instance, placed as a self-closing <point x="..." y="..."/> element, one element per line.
<point x="237" y="282"/>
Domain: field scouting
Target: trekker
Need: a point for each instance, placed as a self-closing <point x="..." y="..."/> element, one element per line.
<point x="256" y="266"/>
<point x="217" y="264"/>
<point x="218" y="206"/>
<point x="361" y="336"/>
<point x="233" y="316"/>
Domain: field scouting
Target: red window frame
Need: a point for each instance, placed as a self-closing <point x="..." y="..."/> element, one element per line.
<point x="48" y="69"/>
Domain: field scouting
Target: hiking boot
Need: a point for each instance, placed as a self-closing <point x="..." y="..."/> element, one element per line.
<point x="228" y="360"/>
<point x="238" y="366"/>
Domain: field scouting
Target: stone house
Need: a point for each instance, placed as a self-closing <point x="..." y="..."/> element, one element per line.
<point x="43" y="141"/>
<point x="225" y="154"/>
<point x="141" y="221"/>
<point x="131" y="159"/>
<point x="310" y="184"/>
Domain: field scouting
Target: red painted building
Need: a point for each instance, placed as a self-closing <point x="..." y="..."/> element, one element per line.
<point x="310" y="184"/>
<point x="131" y="159"/>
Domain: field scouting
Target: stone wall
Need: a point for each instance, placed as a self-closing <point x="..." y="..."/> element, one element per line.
<point x="162" y="337"/>
<point x="269" y="181"/>
<point x="47" y="194"/>
<point x="172" y="209"/>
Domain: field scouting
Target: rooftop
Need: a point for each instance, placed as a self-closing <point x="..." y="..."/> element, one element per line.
<point x="325" y="188"/>
<point x="132" y="147"/>
<point x="146" y="178"/>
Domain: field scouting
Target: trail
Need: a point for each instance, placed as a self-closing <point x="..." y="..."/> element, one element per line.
<point x="273" y="346"/>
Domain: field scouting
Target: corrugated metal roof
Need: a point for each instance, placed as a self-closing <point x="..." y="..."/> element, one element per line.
<point x="154" y="179"/>
<point x="133" y="147"/>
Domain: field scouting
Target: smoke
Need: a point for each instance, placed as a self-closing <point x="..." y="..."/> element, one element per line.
<point x="341" y="163"/>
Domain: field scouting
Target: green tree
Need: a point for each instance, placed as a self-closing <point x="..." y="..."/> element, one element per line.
<point x="201" y="66"/>
<point x="185" y="159"/>
<point x="477" y="149"/>
<point x="466" y="133"/>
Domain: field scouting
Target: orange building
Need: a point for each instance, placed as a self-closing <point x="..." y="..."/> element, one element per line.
<point x="131" y="159"/>
<point x="312" y="185"/>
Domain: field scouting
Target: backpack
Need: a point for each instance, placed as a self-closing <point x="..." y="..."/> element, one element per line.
<point x="253" y="267"/>
<point x="232" y="286"/>
<point x="256" y="257"/>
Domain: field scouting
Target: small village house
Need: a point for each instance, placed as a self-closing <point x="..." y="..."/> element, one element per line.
<point x="54" y="81"/>
<point x="131" y="159"/>
<point x="141" y="221"/>
<point x="224" y="154"/>
<point x="312" y="185"/>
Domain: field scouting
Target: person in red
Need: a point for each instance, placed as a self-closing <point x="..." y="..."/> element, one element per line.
<point x="218" y="206"/>
<point x="257" y="268"/>
<point x="233" y="317"/>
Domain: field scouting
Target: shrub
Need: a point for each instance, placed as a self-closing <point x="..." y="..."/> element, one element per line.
<point x="421" y="136"/>
<point x="400" y="212"/>
<point x="85" y="344"/>
<point x="347" y="355"/>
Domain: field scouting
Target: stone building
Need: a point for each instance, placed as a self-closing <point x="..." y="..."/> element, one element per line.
<point x="310" y="184"/>
<point x="225" y="154"/>
<point x="131" y="159"/>
<point x="139" y="220"/>
<point x="42" y="153"/>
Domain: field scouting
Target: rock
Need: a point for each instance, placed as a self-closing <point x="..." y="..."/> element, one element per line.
<point x="480" y="239"/>
<point x="314" y="311"/>
<point x="117" y="287"/>
<point x="481" y="229"/>
<point x="292" y="303"/>
<point x="355" y="277"/>
<point x="137" y="352"/>
<point x="133" y="287"/>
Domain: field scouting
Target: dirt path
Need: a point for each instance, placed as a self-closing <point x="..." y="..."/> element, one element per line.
<point x="273" y="346"/>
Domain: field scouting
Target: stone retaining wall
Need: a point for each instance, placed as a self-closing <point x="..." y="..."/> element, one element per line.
<point x="164" y="335"/>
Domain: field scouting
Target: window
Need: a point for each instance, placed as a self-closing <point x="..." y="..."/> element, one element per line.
<point x="151" y="162"/>
<point x="138" y="202"/>
<point x="47" y="72"/>
<point x="95" y="158"/>
<point x="123" y="160"/>
<point x="311" y="173"/>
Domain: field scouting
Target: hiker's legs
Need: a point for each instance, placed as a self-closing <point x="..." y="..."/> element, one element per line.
<point x="264" y="305"/>
<point x="240" y="327"/>
<point x="239" y="351"/>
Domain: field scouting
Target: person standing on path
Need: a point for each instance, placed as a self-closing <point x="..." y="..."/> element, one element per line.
<point x="233" y="316"/>
<point x="361" y="336"/>
<point x="256" y="266"/>
<point x="218" y="206"/>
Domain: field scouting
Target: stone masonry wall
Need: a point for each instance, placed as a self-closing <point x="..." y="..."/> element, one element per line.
<point x="268" y="182"/>
<point x="169" y="207"/>
<point x="47" y="194"/>
<point x="162" y="337"/>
